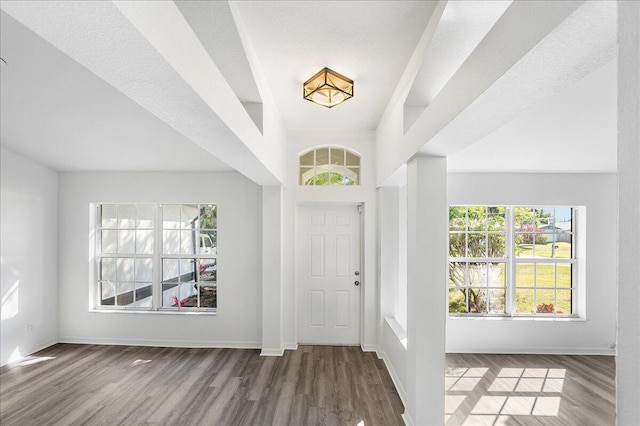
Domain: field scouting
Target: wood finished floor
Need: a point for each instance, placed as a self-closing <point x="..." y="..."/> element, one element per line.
<point x="110" y="385"/>
<point x="530" y="390"/>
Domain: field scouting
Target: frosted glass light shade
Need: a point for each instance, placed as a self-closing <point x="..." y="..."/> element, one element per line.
<point x="328" y="88"/>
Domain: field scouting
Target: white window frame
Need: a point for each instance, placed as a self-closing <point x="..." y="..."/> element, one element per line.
<point x="511" y="260"/>
<point x="345" y="169"/>
<point x="156" y="258"/>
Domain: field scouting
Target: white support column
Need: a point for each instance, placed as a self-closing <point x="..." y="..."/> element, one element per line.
<point x="426" y="289"/>
<point x="628" y="345"/>
<point x="272" y="271"/>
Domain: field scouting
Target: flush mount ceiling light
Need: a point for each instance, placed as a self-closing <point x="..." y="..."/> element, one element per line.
<point x="328" y="88"/>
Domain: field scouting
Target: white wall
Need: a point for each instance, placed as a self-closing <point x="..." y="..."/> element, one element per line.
<point x="595" y="335"/>
<point x="29" y="235"/>
<point x="365" y="193"/>
<point x="238" y="321"/>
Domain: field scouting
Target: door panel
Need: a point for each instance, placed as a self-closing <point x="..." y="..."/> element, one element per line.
<point x="328" y="300"/>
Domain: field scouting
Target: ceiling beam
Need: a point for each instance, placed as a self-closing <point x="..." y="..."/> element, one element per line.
<point x="148" y="52"/>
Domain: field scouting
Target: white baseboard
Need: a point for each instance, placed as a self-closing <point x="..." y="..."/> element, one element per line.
<point x="161" y="343"/>
<point x="407" y="418"/>
<point x="290" y="346"/>
<point x="536" y="351"/>
<point x="369" y="348"/>
<point x="394" y="378"/>
<point x="272" y="352"/>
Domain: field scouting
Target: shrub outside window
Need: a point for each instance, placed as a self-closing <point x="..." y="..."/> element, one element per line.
<point x="329" y="165"/>
<point x="151" y="257"/>
<point x="511" y="260"/>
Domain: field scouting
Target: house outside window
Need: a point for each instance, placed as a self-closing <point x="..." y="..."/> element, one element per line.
<point x="512" y="261"/>
<point x="156" y="257"/>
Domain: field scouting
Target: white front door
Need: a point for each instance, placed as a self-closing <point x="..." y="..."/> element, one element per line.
<point x="328" y="269"/>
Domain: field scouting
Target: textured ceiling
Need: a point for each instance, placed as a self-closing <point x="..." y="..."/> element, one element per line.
<point x="111" y="86"/>
<point x="369" y="42"/>
<point x="57" y="112"/>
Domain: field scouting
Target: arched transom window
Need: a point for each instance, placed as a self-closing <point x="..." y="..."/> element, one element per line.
<point x="329" y="165"/>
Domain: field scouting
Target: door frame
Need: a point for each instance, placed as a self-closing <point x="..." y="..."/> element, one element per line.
<point x="321" y="205"/>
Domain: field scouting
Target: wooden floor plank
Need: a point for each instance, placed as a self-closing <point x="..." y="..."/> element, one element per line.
<point x="88" y="384"/>
<point x="314" y="385"/>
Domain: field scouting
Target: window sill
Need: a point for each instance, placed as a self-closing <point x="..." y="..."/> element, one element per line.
<point x="518" y="318"/>
<point x="152" y="312"/>
<point x="398" y="330"/>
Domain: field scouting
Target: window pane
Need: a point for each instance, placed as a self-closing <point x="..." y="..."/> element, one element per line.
<point x="457" y="245"/>
<point x="307" y="159"/>
<point x="125" y="293"/>
<point x="170" y="216"/>
<point x="477" y="245"/>
<point x="545" y="301"/>
<point x="109" y="241"/>
<point x="108" y="293"/>
<point x="146" y="302"/>
<point x="187" y="270"/>
<point x="144" y="218"/>
<point x="126" y="215"/>
<point x="477" y="300"/>
<point x="563" y="217"/>
<point x="108" y="269"/>
<point x="457" y="302"/>
<point x="125" y="269"/>
<point x="496" y="219"/>
<point x="524" y="245"/>
<point x="525" y="219"/>
<point x="108" y="216"/>
<point x="144" y="270"/>
<point x="208" y="296"/>
<point x="457" y="218"/>
<point x="170" y="270"/>
<point x="208" y="216"/>
<point x="563" y="301"/>
<point x="337" y="156"/>
<point x="496" y="301"/>
<point x="188" y="296"/>
<point x="524" y="274"/>
<point x="478" y="274"/>
<point x="189" y="216"/>
<point x="497" y="274"/>
<point x="542" y="247"/>
<point x="563" y="276"/>
<point x="561" y="249"/>
<point x="545" y="275"/>
<point x="170" y="295"/>
<point x="208" y="270"/>
<point x="208" y="242"/>
<point x="524" y="301"/>
<point x="306" y="176"/>
<point x="477" y="218"/>
<point x="322" y="156"/>
<point x="457" y="274"/>
<point x="352" y="159"/>
<point x="354" y="176"/>
<point x="187" y="242"/>
<point x="170" y="242"/>
<point x="126" y="241"/>
<point x="497" y="245"/>
<point x="144" y="242"/>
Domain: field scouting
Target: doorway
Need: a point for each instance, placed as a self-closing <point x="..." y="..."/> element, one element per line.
<point x="328" y="272"/>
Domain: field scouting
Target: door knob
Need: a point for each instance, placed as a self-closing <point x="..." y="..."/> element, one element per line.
<point x="357" y="273"/>
<point x="357" y="283"/>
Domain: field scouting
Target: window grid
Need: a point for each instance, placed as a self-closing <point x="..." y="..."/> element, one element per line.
<point x="329" y="165"/>
<point x="119" y="264"/>
<point x="560" y="261"/>
<point x="195" y="259"/>
<point x="130" y="244"/>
